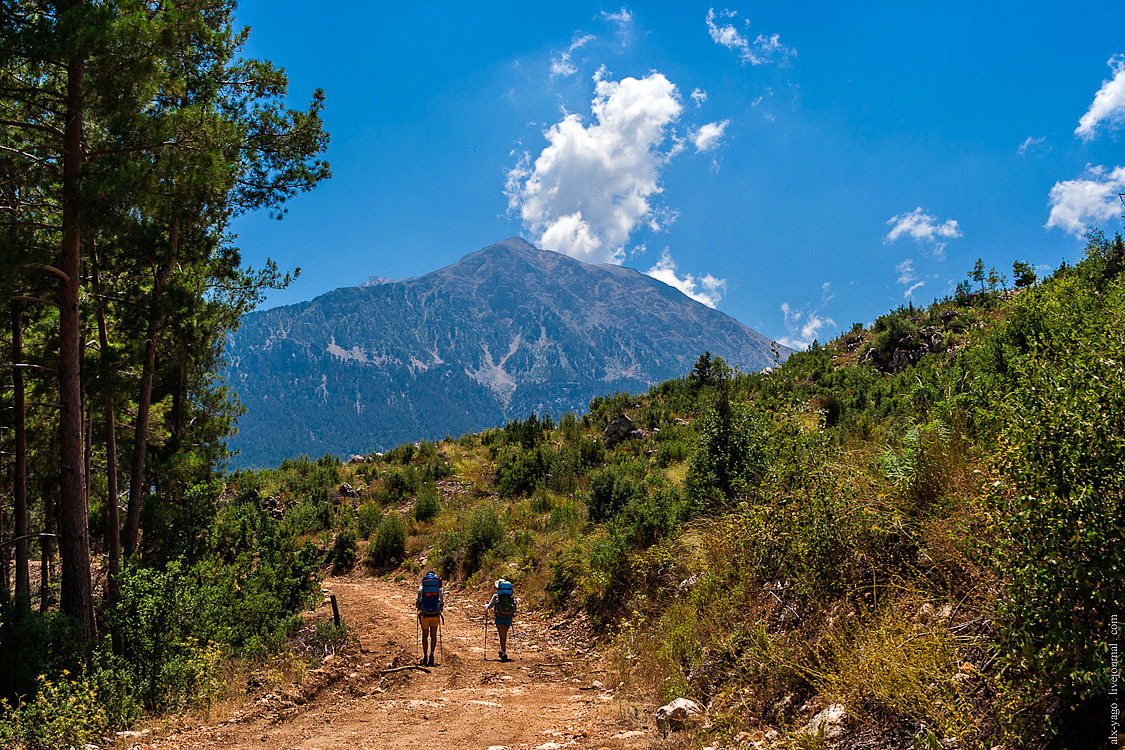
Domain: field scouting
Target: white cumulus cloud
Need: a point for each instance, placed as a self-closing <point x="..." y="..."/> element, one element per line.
<point x="924" y="229"/>
<point x="561" y="65"/>
<point x="707" y="290"/>
<point x="803" y="327"/>
<point x="708" y="137"/>
<point x="1109" y="103"/>
<point x="595" y="183"/>
<point x="762" y="50"/>
<point x="699" y="96"/>
<point x="1087" y="200"/>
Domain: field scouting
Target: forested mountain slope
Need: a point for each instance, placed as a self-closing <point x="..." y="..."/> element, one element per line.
<point x="505" y="331"/>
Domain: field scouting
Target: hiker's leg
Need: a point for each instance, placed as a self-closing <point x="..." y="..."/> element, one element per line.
<point x="502" y="630"/>
<point x="433" y="640"/>
<point x="425" y="641"/>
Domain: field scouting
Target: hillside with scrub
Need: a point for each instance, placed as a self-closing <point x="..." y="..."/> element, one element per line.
<point x="908" y="537"/>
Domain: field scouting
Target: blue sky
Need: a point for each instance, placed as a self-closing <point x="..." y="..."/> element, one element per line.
<point x="801" y="167"/>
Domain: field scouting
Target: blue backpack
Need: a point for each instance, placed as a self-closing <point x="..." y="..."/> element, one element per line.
<point x="505" y="599"/>
<point x="431" y="595"/>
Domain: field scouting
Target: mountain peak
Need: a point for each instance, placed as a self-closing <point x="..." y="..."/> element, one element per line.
<point x="505" y="331"/>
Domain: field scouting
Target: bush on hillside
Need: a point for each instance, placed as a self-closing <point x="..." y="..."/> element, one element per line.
<point x="427" y="504"/>
<point x="389" y="542"/>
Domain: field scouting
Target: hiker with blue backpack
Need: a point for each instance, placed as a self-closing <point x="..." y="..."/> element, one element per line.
<point x="430" y="603"/>
<point x="503" y="603"/>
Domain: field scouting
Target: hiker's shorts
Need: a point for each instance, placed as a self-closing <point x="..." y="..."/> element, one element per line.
<point x="505" y="621"/>
<point x="430" y="621"/>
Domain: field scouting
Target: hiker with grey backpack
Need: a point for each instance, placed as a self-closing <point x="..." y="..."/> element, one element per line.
<point x="430" y="603"/>
<point x="503" y="604"/>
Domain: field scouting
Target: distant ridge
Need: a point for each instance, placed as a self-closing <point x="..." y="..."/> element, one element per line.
<point x="505" y="331"/>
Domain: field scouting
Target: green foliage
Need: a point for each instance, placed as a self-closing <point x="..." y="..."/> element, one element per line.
<point x="731" y="457"/>
<point x="343" y="553"/>
<point x="611" y="488"/>
<point x="1061" y="503"/>
<point x="64" y="713"/>
<point x="400" y="484"/>
<point x="521" y="473"/>
<point x="33" y="644"/>
<point x="568" y="569"/>
<point x="389" y="542"/>
<point x="921" y="471"/>
<point x="307" y="517"/>
<point x="367" y="519"/>
<point x="428" y="504"/>
<point x="483" y="531"/>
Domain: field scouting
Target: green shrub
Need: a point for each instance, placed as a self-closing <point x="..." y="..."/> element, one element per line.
<point x="343" y="553"/>
<point x="389" y="542"/>
<point x="307" y="517"/>
<point x="610" y="489"/>
<point x="733" y="455"/>
<point x="64" y="713"/>
<point x="400" y="484"/>
<point x="33" y="644"/>
<point x="567" y="571"/>
<point x="569" y="514"/>
<point x="922" y="470"/>
<point x="520" y="474"/>
<point x="542" y="502"/>
<point x="671" y="452"/>
<point x="1059" y="509"/>
<point x="483" y="531"/>
<point x="367" y="519"/>
<point x="448" y="553"/>
<point x="428" y="504"/>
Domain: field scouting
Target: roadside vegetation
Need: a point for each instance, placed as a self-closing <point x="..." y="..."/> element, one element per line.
<point x="920" y="521"/>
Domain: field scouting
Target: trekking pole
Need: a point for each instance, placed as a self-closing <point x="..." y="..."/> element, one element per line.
<point x="418" y="635"/>
<point x="441" y="638"/>
<point x="519" y="653"/>
<point x="486" y="637"/>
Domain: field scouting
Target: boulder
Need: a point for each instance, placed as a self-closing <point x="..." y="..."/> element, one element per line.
<point x="619" y="430"/>
<point x="346" y="490"/>
<point x="828" y="723"/>
<point x="678" y="714"/>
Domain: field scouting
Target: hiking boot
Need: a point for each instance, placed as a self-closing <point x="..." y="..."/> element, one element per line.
<point x="503" y="656"/>
<point x="423" y="662"/>
<point x="431" y="663"/>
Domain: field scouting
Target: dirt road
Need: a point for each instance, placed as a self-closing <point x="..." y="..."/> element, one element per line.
<point x="558" y="696"/>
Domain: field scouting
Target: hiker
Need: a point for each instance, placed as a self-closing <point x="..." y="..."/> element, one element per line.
<point x="430" y="603"/>
<point x="504" y="602"/>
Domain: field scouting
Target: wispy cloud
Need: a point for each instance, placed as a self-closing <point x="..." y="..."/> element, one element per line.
<point x="1086" y="201"/>
<point x="1033" y="146"/>
<point x="764" y="49"/>
<point x="594" y="184"/>
<point x="707" y="290"/>
<point x="803" y="327"/>
<point x="699" y="96"/>
<point x="924" y="229"/>
<point x="708" y="137"/>
<point x="908" y="277"/>
<point x="1108" y="106"/>
<point x="622" y="16"/>
<point x="561" y="64"/>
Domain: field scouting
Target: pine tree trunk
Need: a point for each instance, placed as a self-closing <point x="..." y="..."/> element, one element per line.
<point x="19" y="480"/>
<point x="47" y="550"/>
<point x="144" y="402"/>
<point x="76" y="598"/>
<point x="113" y="520"/>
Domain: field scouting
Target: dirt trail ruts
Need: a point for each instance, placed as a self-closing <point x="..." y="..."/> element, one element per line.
<point x="546" y="700"/>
